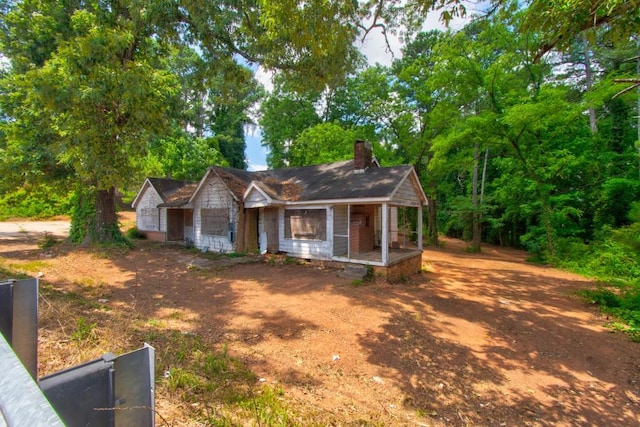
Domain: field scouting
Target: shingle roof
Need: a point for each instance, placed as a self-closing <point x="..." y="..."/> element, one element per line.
<point x="329" y="181"/>
<point x="173" y="192"/>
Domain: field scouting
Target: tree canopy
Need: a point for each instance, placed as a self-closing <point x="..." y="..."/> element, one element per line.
<point x="94" y="84"/>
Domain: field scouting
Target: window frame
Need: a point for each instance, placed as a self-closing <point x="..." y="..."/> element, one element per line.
<point x="214" y="222"/>
<point x="311" y="224"/>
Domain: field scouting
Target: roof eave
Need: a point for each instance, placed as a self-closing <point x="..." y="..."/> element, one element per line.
<point x="142" y="189"/>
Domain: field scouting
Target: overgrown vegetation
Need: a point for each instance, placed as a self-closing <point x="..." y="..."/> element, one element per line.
<point x="614" y="259"/>
<point x="36" y="201"/>
<point x="221" y="388"/>
<point x="134" y="233"/>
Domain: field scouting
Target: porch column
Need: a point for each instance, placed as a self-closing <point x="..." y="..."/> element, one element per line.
<point x="348" y="231"/>
<point x="420" y="227"/>
<point x="385" y="233"/>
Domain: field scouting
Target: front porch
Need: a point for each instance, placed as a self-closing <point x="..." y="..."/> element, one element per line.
<point x="374" y="258"/>
<point x="380" y="235"/>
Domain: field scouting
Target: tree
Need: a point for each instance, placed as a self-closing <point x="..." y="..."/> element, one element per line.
<point x="323" y="143"/>
<point x="421" y="99"/>
<point x="95" y="73"/>
<point x="285" y="113"/>
<point x="559" y="22"/>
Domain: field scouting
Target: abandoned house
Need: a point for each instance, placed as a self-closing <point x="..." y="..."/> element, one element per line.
<point x="352" y="211"/>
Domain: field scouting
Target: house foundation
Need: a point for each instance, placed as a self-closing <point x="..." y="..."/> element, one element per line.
<point x="402" y="269"/>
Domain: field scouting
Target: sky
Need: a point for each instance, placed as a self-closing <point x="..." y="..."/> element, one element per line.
<point x="374" y="48"/>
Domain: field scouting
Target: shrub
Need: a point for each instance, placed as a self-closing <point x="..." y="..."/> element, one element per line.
<point x="134" y="233"/>
<point x="41" y="201"/>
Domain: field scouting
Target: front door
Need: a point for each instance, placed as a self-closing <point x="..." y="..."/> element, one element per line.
<point x="251" y="230"/>
<point x="271" y="229"/>
<point x="175" y="225"/>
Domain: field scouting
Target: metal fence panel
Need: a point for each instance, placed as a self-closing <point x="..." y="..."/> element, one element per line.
<point x="83" y="394"/>
<point x="135" y="388"/>
<point x="25" y="323"/>
<point x="6" y="310"/>
<point x="21" y="401"/>
<point x="19" y="320"/>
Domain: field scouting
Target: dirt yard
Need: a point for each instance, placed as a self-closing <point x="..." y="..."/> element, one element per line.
<point x="483" y="339"/>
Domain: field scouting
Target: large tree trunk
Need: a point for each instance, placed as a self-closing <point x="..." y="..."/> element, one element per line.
<point x="105" y="227"/>
<point x="432" y="221"/>
<point x="432" y="208"/>
<point x="94" y="218"/>
<point x="593" y="123"/>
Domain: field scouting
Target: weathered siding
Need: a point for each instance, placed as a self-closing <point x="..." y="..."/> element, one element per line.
<point x="407" y="194"/>
<point x="147" y="211"/>
<point x="214" y="194"/>
<point x="255" y="199"/>
<point x="340" y="230"/>
<point x="311" y="249"/>
<point x="163" y="219"/>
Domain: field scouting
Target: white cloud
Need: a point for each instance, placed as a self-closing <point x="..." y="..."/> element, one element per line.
<point x="265" y="77"/>
<point x="255" y="168"/>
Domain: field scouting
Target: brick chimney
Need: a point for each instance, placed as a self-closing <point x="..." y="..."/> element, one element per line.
<point x="362" y="155"/>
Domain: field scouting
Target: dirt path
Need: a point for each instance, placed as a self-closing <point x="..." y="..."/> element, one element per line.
<point x="477" y="340"/>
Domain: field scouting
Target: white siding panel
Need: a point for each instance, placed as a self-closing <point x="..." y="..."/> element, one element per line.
<point x="147" y="215"/>
<point x="214" y="194"/>
<point x="255" y="199"/>
<point x="163" y="219"/>
<point x="406" y="194"/>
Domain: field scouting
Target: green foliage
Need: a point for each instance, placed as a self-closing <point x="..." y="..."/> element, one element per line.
<point x="82" y="215"/>
<point x="182" y="156"/>
<point x="224" y="389"/>
<point x="616" y="257"/>
<point x="134" y="233"/>
<point x="621" y="302"/>
<point x="85" y="228"/>
<point x="48" y="241"/>
<point x="284" y="115"/>
<point x="35" y="201"/>
<point x="84" y="332"/>
<point x="323" y="143"/>
<point x="614" y="260"/>
<point x="91" y="84"/>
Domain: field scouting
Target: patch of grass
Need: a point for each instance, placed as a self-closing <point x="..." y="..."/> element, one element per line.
<point x="155" y="323"/>
<point x="8" y="272"/>
<point x="85" y="331"/>
<point x="222" y="390"/>
<point x="176" y="315"/>
<point x="30" y="266"/>
<point x="621" y="301"/>
<point x="357" y="282"/>
<point x="79" y="301"/>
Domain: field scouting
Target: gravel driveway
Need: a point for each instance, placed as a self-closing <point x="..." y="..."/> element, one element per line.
<point x="15" y="230"/>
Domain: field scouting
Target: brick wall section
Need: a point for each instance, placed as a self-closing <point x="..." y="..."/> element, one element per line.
<point x="403" y="269"/>
<point x="156" y="236"/>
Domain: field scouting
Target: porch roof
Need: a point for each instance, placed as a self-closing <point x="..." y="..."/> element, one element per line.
<point x="173" y="192"/>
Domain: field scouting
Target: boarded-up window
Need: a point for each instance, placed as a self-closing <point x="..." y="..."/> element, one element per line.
<point x="188" y="217"/>
<point x="305" y="224"/>
<point x="149" y="219"/>
<point x="215" y="222"/>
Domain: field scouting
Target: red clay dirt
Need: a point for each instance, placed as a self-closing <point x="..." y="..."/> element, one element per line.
<point x="476" y="339"/>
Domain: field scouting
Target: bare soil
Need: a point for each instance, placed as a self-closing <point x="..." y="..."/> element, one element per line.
<point x="476" y="339"/>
